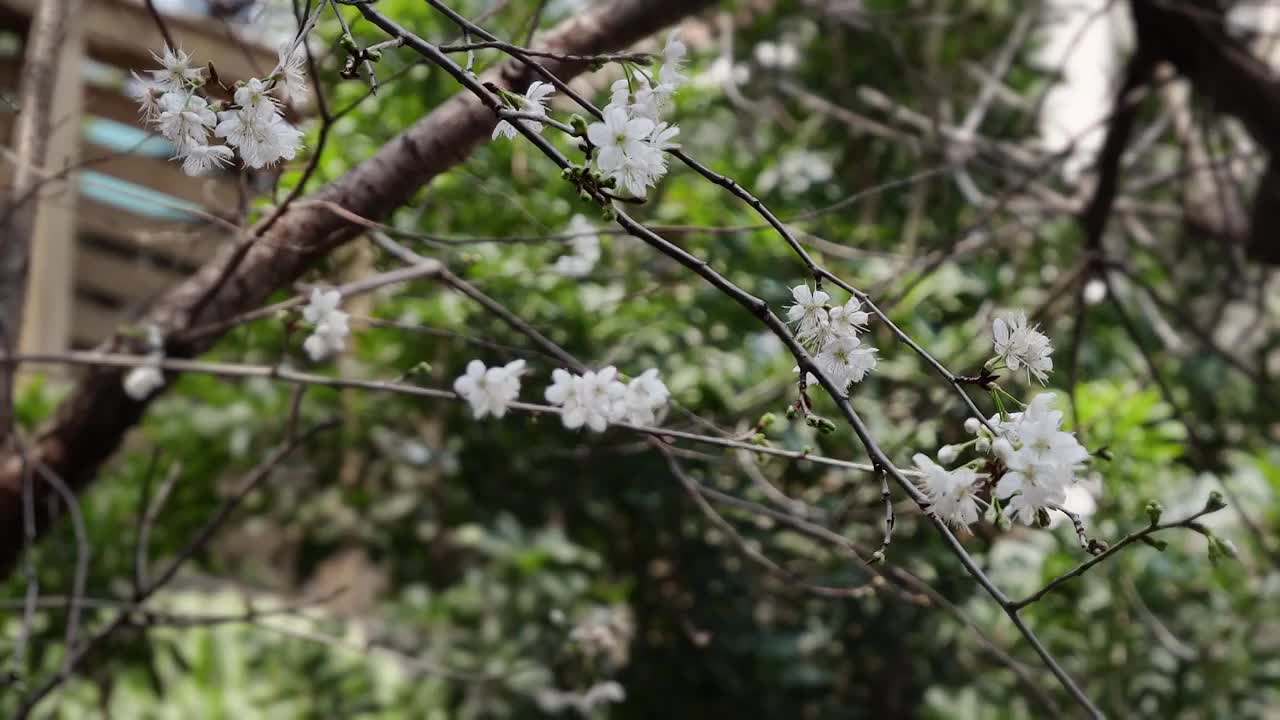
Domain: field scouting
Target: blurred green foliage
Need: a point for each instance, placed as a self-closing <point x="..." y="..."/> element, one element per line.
<point x="479" y="546"/>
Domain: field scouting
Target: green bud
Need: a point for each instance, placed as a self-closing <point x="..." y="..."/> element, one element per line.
<point x="877" y="557"/>
<point x="579" y="125"/>
<point x="422" y="368"/>
<point x="584" y="195"/>
<point x="348" y="42"/>
<point x="1215" y="502"/>
<point x="1154" y="542"/>
<point x="568" y="173"/>
<point x="807" y="450"/>
<point x="1228" y="548"/>
<point x="1154" y="510"/>
<point x="1215" y="550"/>
<point x="609" y="214"/>
<point x="767" y="420"/>
<point x="791" y="412"/>
<point x="759" y="439"/>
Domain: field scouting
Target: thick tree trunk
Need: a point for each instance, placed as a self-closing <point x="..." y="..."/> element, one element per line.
<point x="90" y="424"/>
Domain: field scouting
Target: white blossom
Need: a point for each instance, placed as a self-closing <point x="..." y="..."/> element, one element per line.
<point x="845" y="361"/>
<point x="147" y="94"/>
<point x="145" y="379"/>
<point x="809" y="312"/>
<point x="952" y="493"/>
<point x="1022" y="346"/>
<point x="1042" y="460"/>
<point x="257" y="129"/>
<point x="331" y="324"/>
<point x="200" y="159"/>
<point x="141" y="381"/>
<point x="593" y="399"/>
<point x="534" y="101"/>
<point x="646" y="395"/>
<point x="618" y="137"/>
<point x="490" y="391"/>
<point x="185" y="120"/>
<point x="673" y="56"/>
<point x="177" y="73"/>
<point x="849" y="318"/>
<point x="291" y="72"/>
<point x="585" y="245"/>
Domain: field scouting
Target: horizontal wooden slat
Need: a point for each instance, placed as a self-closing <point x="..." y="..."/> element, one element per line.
<point x="91" y="322"/>
<point x="134" y="281"/>
<point x="123" y="33"/>
<point x="215" y="193"/>
<point x="190" y="243"/>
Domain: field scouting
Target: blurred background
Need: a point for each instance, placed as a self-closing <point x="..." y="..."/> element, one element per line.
<point x="942" y="155"/>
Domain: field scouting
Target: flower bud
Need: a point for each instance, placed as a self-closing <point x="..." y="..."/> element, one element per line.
<point x="1154" y="509"/>
<point x="972" y="426"/>
<point x="982" y="445"/>
<point x="1215" y="502"/>
<point x="579" y="125"/>
<point x="947" y="454"/>
<point x="767" y="420"/>
<point x="1003" y="449"/>
<point x="1160" y="545"/>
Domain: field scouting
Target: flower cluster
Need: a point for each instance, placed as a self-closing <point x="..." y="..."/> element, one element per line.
<point x="533" y="102"/>
<point x="1041" y="460"/>
<point x="331" y="328"/>
<point x="1020" y="345"/>
<point x="585" y="243"/>
<point x="594" y="399"/>
<point x="490" y="391"/>
<point x="1024" y="459"/>
<point x="831" y="334"/>
<point x="143" y="380"/>
<point x="628" y="143"/>
<point x="597" y="398"/>
<point x="631" y="139"/>
<point x="172" y="101"/>
<point x="952" y="493"/>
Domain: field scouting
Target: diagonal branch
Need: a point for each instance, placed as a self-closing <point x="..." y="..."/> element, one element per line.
<point x="92" y="421"/>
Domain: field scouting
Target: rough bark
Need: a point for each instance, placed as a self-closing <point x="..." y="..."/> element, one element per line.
<point x="90" y="424"/>
<point x="1192" y="36"/>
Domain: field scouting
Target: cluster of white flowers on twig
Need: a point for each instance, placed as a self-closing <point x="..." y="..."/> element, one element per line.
<point x="331" y="328"/>
<point x="173" y="101"/>
<point x="1024" y="463"/>
<point x="595" y="398"/>
<point x="490" y="391"/>
<point x="598" y="398"/>
<point x="628" y="144"/>
<point x="831" y="334"/>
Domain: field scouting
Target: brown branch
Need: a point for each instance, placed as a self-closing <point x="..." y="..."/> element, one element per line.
<point x="1193" y="37"/>
<point x="92" y="421"/>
